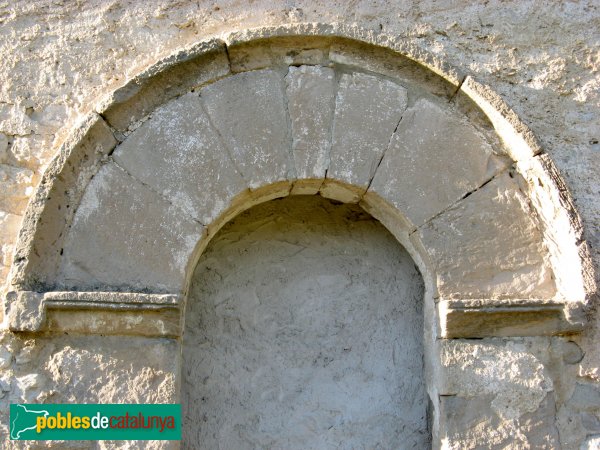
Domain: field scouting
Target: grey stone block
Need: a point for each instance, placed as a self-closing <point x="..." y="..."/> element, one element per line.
<point x="168" y="78"/>
<point x="367" y="112"/>
<point x="126" y="237"/>
<point x="180" y="155"/>
<point x="586" y="397"/>
<point x="50" y="211"/>
<point x="488" y="246"/>
<point x="249" y="112"/>
<point x="434" y="159"/>
<point x="311" y="97"/>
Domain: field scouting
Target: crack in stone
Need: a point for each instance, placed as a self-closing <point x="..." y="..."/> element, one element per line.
<point x="453" y="96"/>
<point x="152" y="189"/>
<point x="336" y="87"/>
<point x="226" y="49"/>
<point x="223" y="142"/>
<point x="468" y="194"/>
<point x="293" y="170"/>
<point x="119" y="136"/>
<point x="385" y="150"/>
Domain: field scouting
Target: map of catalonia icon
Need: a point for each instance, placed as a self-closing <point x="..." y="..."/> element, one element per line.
<point x="23" y="421"/>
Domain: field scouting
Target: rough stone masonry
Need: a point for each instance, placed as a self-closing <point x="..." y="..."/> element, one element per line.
<point x="508" y="360"/>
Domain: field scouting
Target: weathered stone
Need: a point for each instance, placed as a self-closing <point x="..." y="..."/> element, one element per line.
<point x="9" y="228"/>
<point x="168" y="78"/>
<point x="590" y="422"/>
<point x="17" y="188"/>
<point x="111" y="369"/>
<point x="342" y="192"/>
<point x="561" y="225"/>
<point x="3" y="147"/>
<point x="518" y="138"/>
<point x="180" y="155"/>
<point x="367" y="111"/>
<point x="571" y="352"/>
<point x="488" y="246"/>
<point x="394" y="65"/>
<point x="433" y="160"/>
<point x="29" y="388"/>
<point x="486" y="317"/>
<point x="276" y="52"/>
<point x="25" y="311"/>
<point x="311" y="97"/>
<point x="586" y="397"/>
<point x="86" y="369"/>
<point x="591" y="442"/>
<point x="5" y="357"/>
<point x="470" y="423"/>
<point x="495" y="367"/>
<point x="249" y="112"/>
<point x="540" y="58"/>
<point x="306" y="187"/>
<point x="125" y="236"/>
<point x="51" y="207"/>
<point x="124" y="323"/>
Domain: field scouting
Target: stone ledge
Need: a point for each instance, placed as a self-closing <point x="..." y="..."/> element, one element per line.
<point x="122" y="313"/>
<point x="480" y="318"/>
<point x="126" y="313"/>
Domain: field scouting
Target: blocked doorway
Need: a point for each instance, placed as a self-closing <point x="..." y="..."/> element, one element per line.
<point x="304" y="329"/>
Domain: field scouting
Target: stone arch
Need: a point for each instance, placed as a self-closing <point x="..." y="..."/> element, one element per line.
<point x="117" y="225"/>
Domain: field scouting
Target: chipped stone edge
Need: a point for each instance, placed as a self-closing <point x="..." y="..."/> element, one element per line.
<point x="28" y="311"/>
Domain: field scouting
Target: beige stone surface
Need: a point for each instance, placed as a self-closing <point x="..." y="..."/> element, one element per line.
<point x="54" y="202"/>
<point x="106" y="249"/>
<point x="434" y="159"/>
<point x="184" y="160"/>
<point x="495" y="367"/>
<point x="8" y="223"/>
<point x="488" y="246"/>
<point x="58" y="58"/>
<point x="367" y="111"/>
<point x="488" y="402"/>
<point x="471" y="425"/>
<point x="519" y="48"/>
<point x="310" y="94"/>
<point x="17" y="185"/>
<point x="249" y="113"/>
<point x="405" y="71"/>
<point x="285" y="50"/>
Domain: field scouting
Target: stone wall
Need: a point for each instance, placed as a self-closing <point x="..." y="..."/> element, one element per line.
<point x="58" y="58"/>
